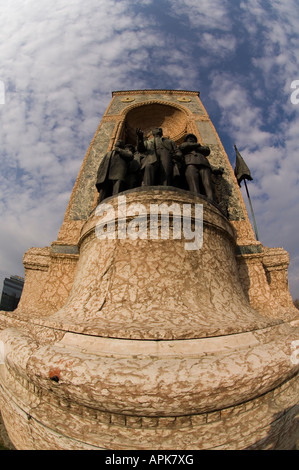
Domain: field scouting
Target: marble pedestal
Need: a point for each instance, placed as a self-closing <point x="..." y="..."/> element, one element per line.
<point x="156" y="347"/>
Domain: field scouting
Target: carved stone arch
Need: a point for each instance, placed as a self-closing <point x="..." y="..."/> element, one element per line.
<point x="174" y="119"/>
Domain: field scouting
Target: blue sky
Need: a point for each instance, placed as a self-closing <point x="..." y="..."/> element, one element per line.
<point x="60" y="62"/>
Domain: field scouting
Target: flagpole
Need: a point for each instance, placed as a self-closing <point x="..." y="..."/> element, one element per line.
<point x="242" y="173"/>
<point x="252" y="213"/>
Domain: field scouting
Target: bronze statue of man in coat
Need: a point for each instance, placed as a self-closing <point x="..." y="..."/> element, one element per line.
<point x="112" y="171"/>
<point x="157" y="161"/>
<point x="198" y="169"/>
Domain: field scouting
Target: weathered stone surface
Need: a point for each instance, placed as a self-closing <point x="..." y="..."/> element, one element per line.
<point x="52" y="422"/>
<point x="142" y="344"/>
<point x="83" y="198"/>
<point x="115" y="380"/>
<point x="156" y="289"/>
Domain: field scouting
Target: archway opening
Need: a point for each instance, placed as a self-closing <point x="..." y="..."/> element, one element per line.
<point x="172" y="120"/>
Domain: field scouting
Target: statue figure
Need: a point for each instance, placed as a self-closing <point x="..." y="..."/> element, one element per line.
<point x="112" y="171"/>
<point x="198" y="171"/>
<point x="157" y="161"/>
<point x="133" y="177"/>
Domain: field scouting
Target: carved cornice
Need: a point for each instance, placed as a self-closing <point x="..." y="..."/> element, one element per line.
<point x="134" y="105"/>
<point x="148" y="92"/>
<point x="112" y="118"/>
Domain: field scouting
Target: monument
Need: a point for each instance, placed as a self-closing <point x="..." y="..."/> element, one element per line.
<point x="125" y="338"/>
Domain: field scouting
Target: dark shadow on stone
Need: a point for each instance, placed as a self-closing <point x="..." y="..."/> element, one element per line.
<point x="5" y="442"/>
<point x="163" y="188"/>
<point x="283" y="433"/>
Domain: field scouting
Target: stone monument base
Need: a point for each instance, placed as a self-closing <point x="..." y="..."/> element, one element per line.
<point x="157" y="347"/>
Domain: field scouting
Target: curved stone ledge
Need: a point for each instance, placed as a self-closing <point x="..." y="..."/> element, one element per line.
<point x="178" y="383"/>
<point x="38" y="419"/>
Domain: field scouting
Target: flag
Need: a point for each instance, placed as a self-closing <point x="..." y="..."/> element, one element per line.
<point x="242" y="171"/>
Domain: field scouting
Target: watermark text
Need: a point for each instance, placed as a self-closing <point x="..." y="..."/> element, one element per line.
<point x="295" y="93"/>
<point x="158" y="222"/>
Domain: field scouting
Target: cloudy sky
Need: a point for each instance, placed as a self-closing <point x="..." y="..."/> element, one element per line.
<point x="61" y="60"/>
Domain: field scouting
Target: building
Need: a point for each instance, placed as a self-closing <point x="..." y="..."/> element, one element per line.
<point x="11" y="293"/>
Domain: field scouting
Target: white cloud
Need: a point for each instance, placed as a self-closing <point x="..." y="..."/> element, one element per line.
<point x="279" y="45"/>
<point x="210" y="24"/>
<point x="204" y="14"/>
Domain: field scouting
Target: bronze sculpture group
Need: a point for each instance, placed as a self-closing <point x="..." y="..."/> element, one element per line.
<point x="157" y="161"/>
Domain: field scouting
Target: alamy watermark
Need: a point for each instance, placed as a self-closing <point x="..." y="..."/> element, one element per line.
<point x="295" y="93"/>
<point x="159" y="221"/>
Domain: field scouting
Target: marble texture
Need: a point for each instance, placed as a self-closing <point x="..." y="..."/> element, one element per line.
<point x="119" y="367"/>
